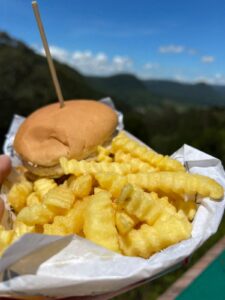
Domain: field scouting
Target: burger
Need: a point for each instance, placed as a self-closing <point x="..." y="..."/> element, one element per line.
<point x="73" y="131"/>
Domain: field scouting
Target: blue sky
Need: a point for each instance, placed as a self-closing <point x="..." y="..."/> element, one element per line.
<point x="182" y="40"/>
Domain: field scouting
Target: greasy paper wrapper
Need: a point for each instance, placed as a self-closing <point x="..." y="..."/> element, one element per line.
<point x="56" y="266"/>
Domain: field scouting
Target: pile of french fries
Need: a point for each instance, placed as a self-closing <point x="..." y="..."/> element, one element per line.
<point x="128" y="199"/>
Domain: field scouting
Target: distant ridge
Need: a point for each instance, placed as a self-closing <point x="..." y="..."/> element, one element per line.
<point x="137" y="92"/>
<point x="127" y="88"/>
<point x="197" y="94"/>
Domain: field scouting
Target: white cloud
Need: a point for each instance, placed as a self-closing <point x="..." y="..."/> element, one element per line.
<point x="180" y="78"/>
<point x="58" y="53"/>
<point x="207" y="59"/>
<point x="90" y="63"/>
<point x="176" y="49"/>
<point x="173" y="49"/>
<point x="217" y="78"/>
<point x="150" y="66"/>
<point x="81" y="56"/>
<point x="100" y="63"/>
<point x="121" y="63"/>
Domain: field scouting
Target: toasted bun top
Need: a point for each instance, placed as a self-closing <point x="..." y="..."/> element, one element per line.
<point x="73" y="131"/>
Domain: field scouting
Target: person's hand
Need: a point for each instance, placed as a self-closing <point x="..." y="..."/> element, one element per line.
<point x="5" y="167"/>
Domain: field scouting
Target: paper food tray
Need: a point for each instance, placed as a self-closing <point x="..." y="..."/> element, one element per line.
<point x="54" y="266"/>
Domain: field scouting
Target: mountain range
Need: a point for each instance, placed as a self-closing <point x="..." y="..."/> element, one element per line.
<point x="25" y="77"/>
<point x="137" y="92"/>
<point x="26" y="85"/>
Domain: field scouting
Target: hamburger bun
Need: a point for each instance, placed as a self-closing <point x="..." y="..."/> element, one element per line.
<point x="73" y="131"/>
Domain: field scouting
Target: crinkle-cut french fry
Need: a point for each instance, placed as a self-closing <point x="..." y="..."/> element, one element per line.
<point x="188" y="208"/>
<point x="92" y="167"/>
<point x="111" y="182"/>
<point x="59" y="197"/>
<point x="81" y="186"/>
<point x="147" y="207"/>
<point x="141" y="242"/>
<point x="20" y="229"/>
<point x="18" y="194"/>
<point x="137" y="165"/>
<point x="57" y="211"/>
<point x="6" y="237"/>
<point x="54" y="229"/>
<point x="99" y="222"/>
<point x="126" y="144"/>
<point x="98" y="190"/>
<point x="173" y="229"/>
<point x="38" y="214"/>
<point x="124" y="222"/>
<point x="43" y="186"/>
<point x="147" y="240"/>
<point x="178" y="182"/>
<point x="73" y="221"/>
<point x="103" y="154"/>
<point x="33" y="199"/>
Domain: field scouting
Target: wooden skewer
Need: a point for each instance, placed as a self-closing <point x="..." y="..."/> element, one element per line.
<point x="48" y="54"/>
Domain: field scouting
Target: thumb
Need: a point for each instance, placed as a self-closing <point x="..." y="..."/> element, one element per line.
<point x="1" y="208"/>
<point x="5" y="167"/>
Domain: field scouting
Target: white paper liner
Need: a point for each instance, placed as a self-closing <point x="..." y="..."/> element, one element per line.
<point x="72" y="266"/>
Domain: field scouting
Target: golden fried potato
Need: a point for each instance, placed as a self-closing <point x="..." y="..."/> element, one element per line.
<point x="124" y="222"/>
<point x="173" y="229"/>
<point x="126" y="144"/>
<point x="98" y="190"/>
<point x="33" y="199"/>
<point x="99" y="222"/>
<point x="18" y="194"/>
<point x="59" y="197"/>
<point x="104" y="154"/>
<point x="147" y="240"/>
<point x="188" y="208"/>
<point x="43" y="186"/>
<point x="178" y="182"/>
<point x="73" y="221"/>
<point x="6" y="237"/>
<point x="20" y="229"/>
<point x="81" y="186"/>
<point x="54" y="229"/>
<point x="141" y="242"/>
<point x="92" y="167"/>
<point x="137" y="165"/>
<point x="111" y="182"/>
<point x="37" y="214"/>
<point x="146" y="207"/>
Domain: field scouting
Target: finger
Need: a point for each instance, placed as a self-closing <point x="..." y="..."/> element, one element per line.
<point x="5" y="167"/>
<point x="2" y="207"/>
